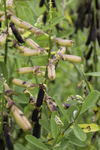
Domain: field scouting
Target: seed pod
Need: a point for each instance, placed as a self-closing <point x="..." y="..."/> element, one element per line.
<point x="33" y="70"/>
<point x="32" y="99"/>
<point x="63" y="42"/>
<point x="8" y="141"/>
<point x="15" y="20"/>
<point x="9" y="91"/>
<point x="93" y="33"/>
<point x="51" y="105"/>
<point x="40" y="74"/>
<point x="97" y="21"/>
<point x="9" y="4"/>
<point x="89" y="53"/>
<point x="51" y="71"/>
<point x="2" y="18"/>
<point x="18" y="46"/>
<point x="33" y="52"/>
<point x="16" y="33"/>
<point x="41" y="3"/>
<point x="45" y="17"/>
<point x="36" y="130"/>
<point x="89" y="19"/>
<point x="97" y="4"/>
<point x="2" y="13"/>
<point x="28" y="26"/>
<point x="98" y="38"/>
<point x="62" y="50"/>
<point x="87" y="6"/>
<point x="93" y="137"/>
<point x="35" y="115"/>
<point x="20" y="30"/>
<point x="9" y="32"/>
<point x="3" y="38"/>
<point x="66" y="106"/>
<point x="70" y="58"/>
<point x="59" y="28"/>
<point x="32" y="44"/>
<point x="2" y="145"/>
<point x="40" y="95"/>
<point x="22" y="83"/>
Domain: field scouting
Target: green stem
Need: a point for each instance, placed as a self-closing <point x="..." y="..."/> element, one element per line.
<point x="6" y="45"/>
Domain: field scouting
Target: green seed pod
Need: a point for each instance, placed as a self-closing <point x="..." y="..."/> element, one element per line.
<point x="2" y="13"/>
<point x="2" y="18"/>
<point x="21" y="30"/>
<point x="33" y="52"/>
<point x="33" y="70"/>
<point x="70" y="58"/>
<point x="9" y="4"/>
<point x="9" y="32"/>
<point x="63" y="42"/>
<point x="15" y="20"/>
<point x="21" y="83"/>
<point x="51" y="71"/>
<point x="32" y="44"/>
<point x="40" y="74"/>
<point x="3" y="38"/>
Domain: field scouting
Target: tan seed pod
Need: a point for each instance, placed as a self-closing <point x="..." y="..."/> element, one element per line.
<point x="2" y="13"/>
<point x="18" y="46"/>
<point x="24" y="70"/>
<point x="3" y="38"/>
<point x="33" y="52"/>
<point x="16" y="20"/>
<point x="63" y="42"/>
<point x="51" y="71"/>
<point x="2" y="18"/>
<point x="40" y="74"/>
<point x="32" y="44"/>
<point x="21" y="30"/>
<point x="9" y="91"/>
<point x="28" y="26"/>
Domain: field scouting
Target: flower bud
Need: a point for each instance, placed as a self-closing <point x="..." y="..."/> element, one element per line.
<point x="32" y="44"/>
<point x="51" y="71"/>
<point x="63" y="42"/>
<point x="21" y="83"/>
<point x="58" y="121"/>
<point x="16" y="33"/>
<point x="33" y="52"/>
<point x="33" y="70"/>
<point x="3" y="38"/>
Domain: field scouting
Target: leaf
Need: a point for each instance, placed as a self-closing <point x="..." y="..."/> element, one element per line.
<point x="90" y="100"/>
<point x="74" y="140"/>
<point x="70" y="112"/>
<point x="3" y="70"/>
<point x="79" y="133"/>
<point x="33" y="140"/>
<point x="45" y="124"/>
<point x="54" y="126"/>
<point x="21" y="98"/>
<point x="89" y="127"/>
<point x="19" y="147"/>
<point x="54" y="22"/>
<point x="28" y="14"/>
<point x="97" y="74"/>
<point x="68" y="18"/>
<point x="62" y="109"/>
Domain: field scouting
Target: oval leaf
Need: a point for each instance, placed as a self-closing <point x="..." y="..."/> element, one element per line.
<point x="22" y="98"/>
<point x="97" y="74"/>
<point x="79" y="133"/>
<point x="19" y="147"/>
<point x="45" y="124"/>
<point x="89" y="127"/>
<point x="33" y="140"/>
<point x="90" y="100"/>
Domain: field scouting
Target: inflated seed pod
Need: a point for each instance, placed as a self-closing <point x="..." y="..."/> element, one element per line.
<point x="45" y="17"/>
<point x="41" y="3"/>
<point x="9" y="4"/>
<point x="2" y="18"/>
<point x="28" y="26"/>
<point x="16" y="33"/>
<point x="36" y="130"/>
<point x="62" y="50"/>
<point x="15" y="20"/>
<point x="3" y="38"/>
<point x="35" y="115"/>
<point x="32" y="44"/>
<point x="8" y="90"/>
<point x="51" y="71"/>
<point x="33" y="52"/>
<point x="2" y="145"/>
<point x="66" y="106"/>
<point x="51" y="105"/>
<point x="2" y="13"/>
<point x="33" y="70"/>
<point x="22" y="83"/>
<point x="40" y="95"/>
<point x="20" y="30"/>
<point x="97" y="4"/>
<point x="18" y="46"/>
<point x="32" y="99"/>
<point x="70" y="58"/>
<point x="18" y="115"/>
<point x="63" y="42"/>
<point x="87" y="6"/>
<point x="40" y="74"/>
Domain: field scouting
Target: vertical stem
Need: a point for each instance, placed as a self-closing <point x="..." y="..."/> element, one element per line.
<point x="6" y="45"/>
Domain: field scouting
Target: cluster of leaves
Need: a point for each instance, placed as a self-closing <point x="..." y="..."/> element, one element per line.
<point x="60" y="129"/>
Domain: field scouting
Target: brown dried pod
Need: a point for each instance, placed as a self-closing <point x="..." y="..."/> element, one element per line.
<point x="36" y="130"/>
<point x="97" y="4"/>
<point x="41" y="3"/>
<point x="16" y="33"/>
<point x="45" y="17"/>
<point x="35" y="115"/>
<point x="87" y="6"/>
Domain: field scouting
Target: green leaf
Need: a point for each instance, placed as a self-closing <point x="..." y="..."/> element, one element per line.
<point x="79" y="133"/>
<point x="3" y="70"/>
<point x="90" y="100"/>
<point x="54" y="22"/>
<point x="89" y="127"/>
<point x="54" y="126"/>
<point x="70" y="111"/>
<point x="97" y="74"/>
<point x="28" y="14"/>
<point x="74" y="140"/>
<point x="45" y="124"/>
<point x="21" y="98"/>
<point x="19" y="147"/>
<point x="33" y="140"/>
<point x="62" y="109"/>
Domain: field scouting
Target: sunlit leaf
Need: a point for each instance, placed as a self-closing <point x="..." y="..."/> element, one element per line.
<point x="93" y="74"/>
<point x="45" y="124"/>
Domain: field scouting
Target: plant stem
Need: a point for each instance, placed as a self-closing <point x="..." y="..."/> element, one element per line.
<point x="6" y="45"/>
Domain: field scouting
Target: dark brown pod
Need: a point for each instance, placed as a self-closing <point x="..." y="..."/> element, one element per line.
<point x="8" y="141"/>
<point x="45" y="17"/>
<point x="35" y="115"/>
<point x="59" y="28"/>
<point x="98" y="38"/>
<point x="80" y="7"/>
<point x="66" y="106"/>
<point x="93" y="33"/>
<point x="93" y="137"/>
<point x="2" y="145"/>
<point x="36" y="130"/>
<point x="97" y="21"/>
<point x="89" y="19"/>
<point x="40" y="97"/>
<point x="97" y="4"/>
<point x="89" y="53"/>
<point x="16" y="33"/>
<point x="87" y="6"/>
<point x="41" y="3"/>
<point x="54" y="4"/>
